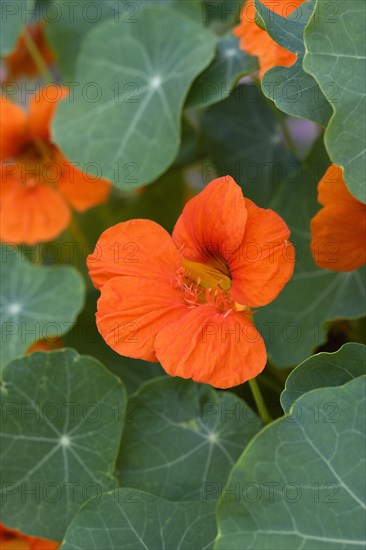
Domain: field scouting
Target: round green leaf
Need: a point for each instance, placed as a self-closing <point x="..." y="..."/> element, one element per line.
<point x="138" y="76"/>
<point x="68" y="23"/>
<point x="36" y="302"/>
<point x="324" y="370"/>
<point x="292" y="89"/>
<point x="295" y="486"/>
<point x="338" y="64"/>
<point x="216" y="82"/>
<point x="134" y="520"/>
<point x="182" y="439"/>
<point x="62" y="419"/>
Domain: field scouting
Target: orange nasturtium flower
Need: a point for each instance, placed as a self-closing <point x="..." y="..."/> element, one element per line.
<point x="186" y="300"/>
<point x="19" y="62"/>
<point x="258" y="42"/>
<point x="10" y="539"/>
<point x="38" y="184"/>
<point x="338" y="230"/>
<point x="47" y="344"/>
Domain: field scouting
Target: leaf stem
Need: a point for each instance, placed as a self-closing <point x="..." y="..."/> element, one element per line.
<point x="259" y="401"/>
<point x="37" y="56"/>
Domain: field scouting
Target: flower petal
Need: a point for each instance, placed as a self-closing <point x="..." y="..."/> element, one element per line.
<point x="265" y="261"/>
<point x="212" y="223"/>
<point x="338" y="237"/>
<point x="136" y="247"/>
<point x="31" y="214"/>
<point x="42" y="107"/>
<point x="258" y="42"/>
<point x="338" y="230"/>
<point x="208" y="347"/>
<point x="81" y="190"/>
<point x="19" y="62"/>
<point x="333" y="190"/>
<point x="13" y="129"/>
<point x="132" y="310"/>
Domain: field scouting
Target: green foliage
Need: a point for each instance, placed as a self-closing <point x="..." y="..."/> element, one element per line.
<point x="133" y="520"/>
<point x="324" y="370"/>
<point x="156" y="97"/>
<point x="339" y="64"/>
<point x="295" y="485"/>
<point x="12" y="22"/>
<point x="217" y="81"/>
<point x="182" y="439"/>
<point x="293" y="324"/>
<point x="139" y="98"/>
<point x="68" y="23"/>
<point x="37" y="302"/>
<point x="61" y="425"/>
<point x="292" y="89"/>
<point x="245" y="141"/>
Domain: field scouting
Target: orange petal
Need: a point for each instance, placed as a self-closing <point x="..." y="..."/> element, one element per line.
<point x="132" y="310"/>
<point x="333" y="190"/>
<point x="42" y="107"/>
<point x="19" y="62"/>
<point x="42" y="544"/>
<point x="212" y="224"/>
<point x="338" y="237"/>
<point x="81" y="190"/>
<point x="265" y="261"/>
<point x="13" y="129"/>
<point x="137" y="247"/>
<point x="338" y="230"/>
<point x="12" y="539"/>
<point x="31" y="214"/>
<point x="208" y="347"/>
<point x="258" y="42"/>
<point x="17" y="543"/>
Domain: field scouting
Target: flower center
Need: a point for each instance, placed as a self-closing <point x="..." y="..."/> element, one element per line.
<point x="36" y="163"/>
<point x="207" y="276"/>
<point x="203" y="284"/>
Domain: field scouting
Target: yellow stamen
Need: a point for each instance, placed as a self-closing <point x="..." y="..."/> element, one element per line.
<point x="207" y="276"/>
<point x="239" y="307"/>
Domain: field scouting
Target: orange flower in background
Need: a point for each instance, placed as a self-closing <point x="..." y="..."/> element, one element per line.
<point x="48" y="344"/>
<point x="185" y="300"/>
<point x="19" y="62"/>
<point x="10" y="539"/>
<point x="339" y="229"/>
<point x="38" y="184"/>
<point x="258" y="42"/>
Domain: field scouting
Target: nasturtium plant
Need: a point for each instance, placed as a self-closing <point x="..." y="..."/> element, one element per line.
<point x="247" y="143"/>
<point x="63" y="416"/>
<point x="297" y="319"/>
<point x="295" y="486"/>
<point x="141" y="84"/>
<point x="292" y="89"/>
<point x="216" y="82"/>
<point x="37" y="302"/>
<point x="338" y="65"/>
<point x="203" y="436"/>
<point x="182" y="299"/>
<point x="324" y="370"/>
<point x="135" y="520"/>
